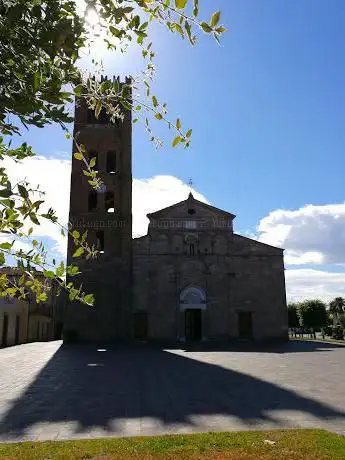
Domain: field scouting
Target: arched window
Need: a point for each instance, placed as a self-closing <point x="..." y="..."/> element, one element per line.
<point x="109" y="202"/>
<point x="92" y="204"/>
<point x="103" y="117"/>
<point x="111" y="161"/>
<point x="91" y="119"/>
<point x="93" y="154"/>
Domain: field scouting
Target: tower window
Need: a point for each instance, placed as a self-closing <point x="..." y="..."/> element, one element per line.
<point x="103" y="117"/>
<point x="93" y="154"/>
<point x="109" y="202"/>
<point x="191" y="211"/>
<point x="92" y="204"/>
<point x="100" y="241"/>
<point x="111" y="162"/>
<point x="91" y="119"/>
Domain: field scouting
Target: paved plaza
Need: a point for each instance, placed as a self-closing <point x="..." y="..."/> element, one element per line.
<point x="51" y="391"/>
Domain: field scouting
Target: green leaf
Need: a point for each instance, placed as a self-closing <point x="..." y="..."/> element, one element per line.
<point x="105" y="86"/>
<point x="179" y="29"/>
<point x="48" y="274"/>
<point x="78" y="156"/>
<point x="189" y="133"/>
<point x="23" y="192"/>
<point x="9" y="203"/>
<point x="5" y="192"/>
<point x="159" y="116"/>
<point x="78" y="90"/>
<point x="176" y="141"/>
<point x="205" y="27"/>
<point x="34" y="243"/>
<point x="116" y="32"/>
<point x="98" y="109"/>
<point x="196" y="8"/>
<point x="37" y="81"/>
<point x="6" y="245"/>
<point x="2" y="258"/>
<point x="215" y="19"/>
<point x="33" y="218"/>
<point x="42" y="297"/>
<point x="220" y="29"/>
<point x="60" y="269"/>
<point x="72" y="270"/>
<point x="68" y="136"/>
<point x="79" y="252"/>
<point x="154" y="101"/>
<point x="93" y="162"/>
<point x="178" y="123"/>
<point x="89" y="299"/>
<point x="181" y="4"/>
<point x="75" y="234"/>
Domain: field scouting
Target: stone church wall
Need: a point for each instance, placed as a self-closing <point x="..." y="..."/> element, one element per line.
<point x="239" y="275"/>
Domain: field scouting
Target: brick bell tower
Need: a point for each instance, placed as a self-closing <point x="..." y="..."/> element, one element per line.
<point x="107" y="216"/>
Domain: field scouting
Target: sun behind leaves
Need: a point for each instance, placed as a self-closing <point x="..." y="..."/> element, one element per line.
<point x="42" y="42"/>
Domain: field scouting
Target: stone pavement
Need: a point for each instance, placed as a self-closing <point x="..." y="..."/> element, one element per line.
<point x="50" y="391"/>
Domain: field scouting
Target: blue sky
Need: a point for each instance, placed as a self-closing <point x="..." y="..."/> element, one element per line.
<point x="267" y="109"/>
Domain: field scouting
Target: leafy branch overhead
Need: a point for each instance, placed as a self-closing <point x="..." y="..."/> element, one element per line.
<point x="42" y="43"/>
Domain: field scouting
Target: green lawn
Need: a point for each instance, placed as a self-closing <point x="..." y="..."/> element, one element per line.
<point x="252" y="445"/>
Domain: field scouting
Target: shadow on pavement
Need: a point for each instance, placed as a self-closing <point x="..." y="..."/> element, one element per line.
<point x="94" y="389"/>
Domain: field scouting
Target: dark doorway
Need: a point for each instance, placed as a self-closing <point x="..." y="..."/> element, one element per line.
<point x="4" y="330"/>
<point x="193" y="324"/>
<point x="16" y="337"/>
<point x="245" y="325"/>
<point x="140" y="325"/>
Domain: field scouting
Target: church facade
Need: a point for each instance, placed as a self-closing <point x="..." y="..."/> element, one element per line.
<point x="191" y="278"/>
<point x="195" y="279"/>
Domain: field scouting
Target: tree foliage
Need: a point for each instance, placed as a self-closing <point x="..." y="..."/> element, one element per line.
<point x="336" y="310"/>
<point x="312" y="313"/>
<point x="293" y="319"/>
<point x="40" y="48"/>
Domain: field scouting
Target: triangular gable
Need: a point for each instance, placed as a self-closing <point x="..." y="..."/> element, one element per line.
<point x="190" y="203"/>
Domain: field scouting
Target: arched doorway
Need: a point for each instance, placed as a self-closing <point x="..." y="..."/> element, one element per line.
<point x="192" y="306"/>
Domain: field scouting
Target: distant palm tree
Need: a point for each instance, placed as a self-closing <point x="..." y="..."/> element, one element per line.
<point x="337" y="309"/>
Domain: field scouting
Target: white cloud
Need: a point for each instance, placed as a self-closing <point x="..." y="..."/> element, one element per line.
<point x="308" y="283"/>
<point x="53" y="177"/>
<point x="152" y="194"/>
<point x="311" y="234"/>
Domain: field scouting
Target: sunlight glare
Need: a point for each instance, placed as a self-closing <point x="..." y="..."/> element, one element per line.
<point x="91" y="17"/>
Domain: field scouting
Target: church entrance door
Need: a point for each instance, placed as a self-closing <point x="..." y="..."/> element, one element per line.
<point x="193" y="324"/>
<point x="245" y="325"/>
